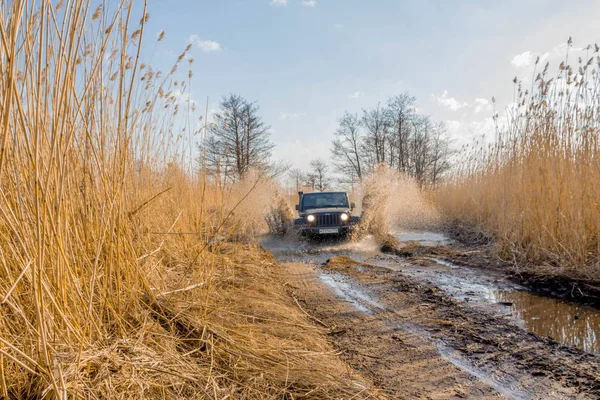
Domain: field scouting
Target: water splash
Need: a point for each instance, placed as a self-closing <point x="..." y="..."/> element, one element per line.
<point x="392" y="201"/>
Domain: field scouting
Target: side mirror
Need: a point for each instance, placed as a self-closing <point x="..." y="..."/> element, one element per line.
<point x="352" y="206"/>
<point x="297" y="207"/>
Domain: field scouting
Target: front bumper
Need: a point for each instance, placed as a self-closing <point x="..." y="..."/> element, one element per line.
<point x="302" y="227"/>
<point x="324" y="230"/>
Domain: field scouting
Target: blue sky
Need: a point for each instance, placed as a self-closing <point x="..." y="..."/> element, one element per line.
<point x="306" y="62"/>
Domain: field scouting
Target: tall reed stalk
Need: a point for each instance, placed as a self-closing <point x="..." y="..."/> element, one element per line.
<point x="85" y="127"/>
<point x="116" y="280"/>
<point x="536" y="186"/>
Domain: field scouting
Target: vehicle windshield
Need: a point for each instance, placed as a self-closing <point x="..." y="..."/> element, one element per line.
<point x="324" y="200"/>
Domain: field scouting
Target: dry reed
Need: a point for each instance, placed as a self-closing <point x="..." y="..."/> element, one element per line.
<point x="535" y="188"/>
<point x="115" y="281"/>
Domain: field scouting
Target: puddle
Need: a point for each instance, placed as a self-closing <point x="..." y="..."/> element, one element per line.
<point x="569" y="323"/>
<point x="444" y="263"/>
<point x="346" y="290"/>
<point x="424" y="238"/>
<point x="458" y="282"/>
<point x="318" y="252"/>
<point x="566" y="322"/>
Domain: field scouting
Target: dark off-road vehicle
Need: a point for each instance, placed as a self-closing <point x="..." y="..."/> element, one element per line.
<point x="325" y="213"/>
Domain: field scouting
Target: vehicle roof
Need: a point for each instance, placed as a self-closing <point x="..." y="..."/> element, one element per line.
<point x="324" y="193"/>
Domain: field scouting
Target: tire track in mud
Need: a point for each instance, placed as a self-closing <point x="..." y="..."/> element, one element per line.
<point x="405" y="366"/>
<point x="413" y="341"/>
<point x="515" y="363"/>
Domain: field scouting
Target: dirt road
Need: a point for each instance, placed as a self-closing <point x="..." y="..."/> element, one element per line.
<point x="416" y="335"/>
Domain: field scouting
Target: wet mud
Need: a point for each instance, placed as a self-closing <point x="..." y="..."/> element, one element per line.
<point x="475" y="274"/>
<point x="476" y="250"/>
<point x="490" y="336"/>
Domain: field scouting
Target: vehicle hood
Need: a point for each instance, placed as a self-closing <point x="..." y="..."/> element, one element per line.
<point x="327" y="210"/>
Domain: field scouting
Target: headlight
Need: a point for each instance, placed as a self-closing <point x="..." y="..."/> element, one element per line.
<point x="311" y="218"/>
<point x="344" y="217"/>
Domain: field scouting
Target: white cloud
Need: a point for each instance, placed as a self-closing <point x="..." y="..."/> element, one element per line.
<point x="481" y="104"/>
<point x="285" y="116"/>
<point x="524" y="59"/>
<point x="355" y="95"/>
<point x="528" y="58"/>
<point x="468" y="132"/>
<point x="309" y="3"/>
<point x="209" y="45"/>
<point x="561" y="49"/>
<point x="279" y="3"/>
<point x="182" y="98"/>
<point x="485" y="127"/>
<point x="205" y="45"/>
<point x="449" y="102"/>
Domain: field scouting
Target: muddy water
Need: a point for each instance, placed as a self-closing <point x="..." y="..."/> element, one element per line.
<point x="344" y="288"/>
<point x="423" y="238"/>
<point x="566" y="322"/>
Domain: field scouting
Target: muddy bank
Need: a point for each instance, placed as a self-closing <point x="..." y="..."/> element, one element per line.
<point x="477" y="250"/>
<point x="513" y="362"/>
<point x="247" y="335"/>
<point x="421" y="326"/>
<point x="402" y="364"/>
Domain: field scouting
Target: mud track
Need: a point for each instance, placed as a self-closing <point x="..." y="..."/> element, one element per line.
<point x="414" y="341"/>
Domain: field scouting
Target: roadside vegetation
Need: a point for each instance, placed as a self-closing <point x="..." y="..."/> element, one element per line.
<point x="535" y="187"/>
<point x="122" y="271"/>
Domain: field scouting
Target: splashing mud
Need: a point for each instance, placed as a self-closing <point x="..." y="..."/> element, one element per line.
<point x="290" y="248"/>
<point x="391" y="201"/>
<point x="255" y="205"/>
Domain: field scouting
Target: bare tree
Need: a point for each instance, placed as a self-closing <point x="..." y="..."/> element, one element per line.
<point x="420" y="146"/>
<point x="297" y="178"/>
<point x="440" y="153"/>
<point x="317" y="177"/>
<point x="376" y="124"/>
<point x="238" y="139"/>
<point x="348" y="147"/>
<point x="396" y="135"/>
<point x="401" y="110"/>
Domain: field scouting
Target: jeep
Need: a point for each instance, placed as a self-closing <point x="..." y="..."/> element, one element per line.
<point x="325" y="213"/>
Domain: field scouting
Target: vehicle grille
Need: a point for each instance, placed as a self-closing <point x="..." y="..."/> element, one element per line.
<point x="328" y="219"/>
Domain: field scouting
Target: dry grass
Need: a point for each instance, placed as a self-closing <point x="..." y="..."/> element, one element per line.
<point x="536" y="187"/>
<point x="98" y="298"/>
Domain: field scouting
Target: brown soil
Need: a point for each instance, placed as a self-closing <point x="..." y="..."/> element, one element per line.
<point x="414" y="342"/>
